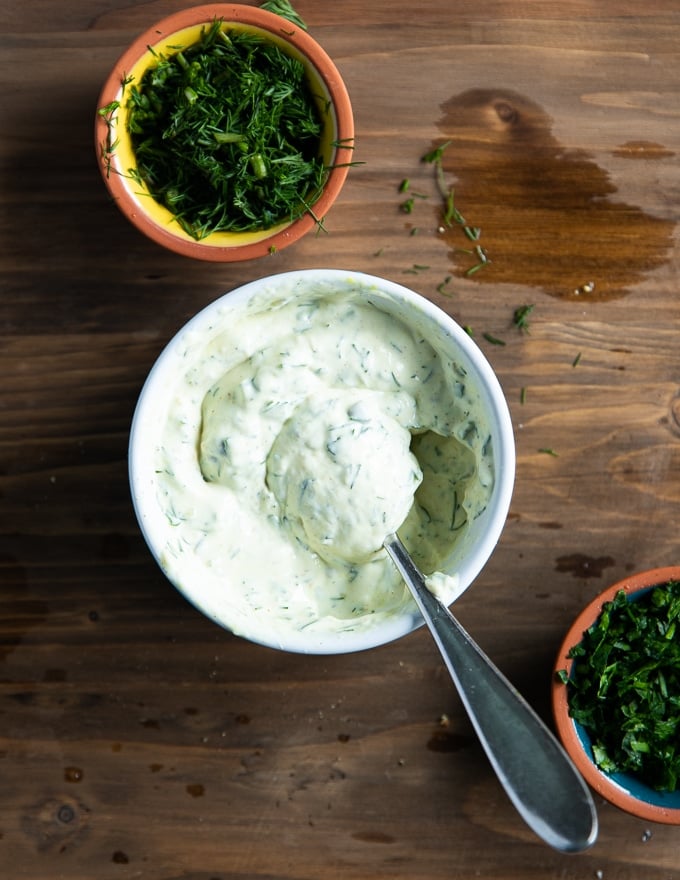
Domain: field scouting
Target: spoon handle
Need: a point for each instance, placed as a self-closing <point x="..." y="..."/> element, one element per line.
<point x="532" y="766"/>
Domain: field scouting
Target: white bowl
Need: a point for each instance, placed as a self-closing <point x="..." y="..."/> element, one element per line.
<point x="172" y="532"/>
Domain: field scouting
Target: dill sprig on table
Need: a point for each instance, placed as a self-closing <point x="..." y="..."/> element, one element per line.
<point x="226" y="134"/>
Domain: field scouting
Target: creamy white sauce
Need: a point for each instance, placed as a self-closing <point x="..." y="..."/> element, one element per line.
<point x="294" y="440"/>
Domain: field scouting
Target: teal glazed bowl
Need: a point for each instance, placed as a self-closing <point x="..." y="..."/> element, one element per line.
<point x="624" y="790"/>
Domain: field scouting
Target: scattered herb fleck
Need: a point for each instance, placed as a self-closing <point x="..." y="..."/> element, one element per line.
<point x="576" y="360"/>
<point x="441" y="288"/>
<point x="546" y="450"/>
<point x="415" y="268"/>
<point x="625" y="686"/>
<point x="404" y="185"/>
<point x="285" y="10"/>
<point x="436" y="155"/>
<point x="407" y="206"/>
<point x="522" y="395"/>
<point x="451" y="215"/>
<point x="494" y="340"/>
<point x="520" y="317"/>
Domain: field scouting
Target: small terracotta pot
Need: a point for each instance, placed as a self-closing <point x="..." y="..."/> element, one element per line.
<point x="115" y="152"/>
<point x="623" y="790"/>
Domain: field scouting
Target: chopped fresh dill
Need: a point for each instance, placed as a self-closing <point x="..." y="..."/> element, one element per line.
<point x="450" y="212"/>
<point x="546" y="450"/>
<point x="226" y="134"/>
<point x="494" y="340"/>
<point x="108" y="147"/>
<point x="285" y="10"/>
<point x="436" y="154"/>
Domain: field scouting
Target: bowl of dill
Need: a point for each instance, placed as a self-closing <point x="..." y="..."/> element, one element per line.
<point x="616" y="694"/>
<point x="225" y="132"/>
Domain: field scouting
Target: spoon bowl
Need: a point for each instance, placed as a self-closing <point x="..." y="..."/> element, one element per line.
<point x="535" y="771"/>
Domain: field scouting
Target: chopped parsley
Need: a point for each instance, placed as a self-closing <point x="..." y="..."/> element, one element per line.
<point x="624" y="687"/>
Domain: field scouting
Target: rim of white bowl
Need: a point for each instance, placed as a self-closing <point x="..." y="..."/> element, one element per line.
<point x="490" y="523"/>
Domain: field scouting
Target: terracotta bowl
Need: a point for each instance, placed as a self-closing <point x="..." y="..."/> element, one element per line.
<point x="624" y="790"/>
<point x="115" y="153"/>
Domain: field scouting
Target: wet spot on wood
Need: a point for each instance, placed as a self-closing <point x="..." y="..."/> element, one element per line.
<point x="196" y="789"/>
<point x="155" y="768"/>
<point x="150" y="723"/>
<point x="343" y="737"/>
<point x="119" y="858"/>
<point x="548" y="215"/>
<point x="373" y="837"/>
<point x="550" y="524"/>
<point x="242" y="719"/>
<point x="73" y="774"/>
<point x="53" y="675"/>
<point x="582" y="566"/>
<point x="116" y="747"/>
<point x="643" y="150"/>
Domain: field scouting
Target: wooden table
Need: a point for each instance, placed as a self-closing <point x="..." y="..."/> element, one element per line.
<point x="137" y="739"/>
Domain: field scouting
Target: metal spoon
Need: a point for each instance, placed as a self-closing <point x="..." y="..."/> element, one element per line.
<point x="532" y="766"/>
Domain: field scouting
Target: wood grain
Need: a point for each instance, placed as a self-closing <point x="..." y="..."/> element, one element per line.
<point x="137" y="739"/>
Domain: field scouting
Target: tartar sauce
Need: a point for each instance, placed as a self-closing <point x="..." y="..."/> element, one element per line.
<point x="296" y="438"/>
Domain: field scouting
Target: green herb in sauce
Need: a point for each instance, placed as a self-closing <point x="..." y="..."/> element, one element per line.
<point x="313" y="428"/>
<point x="625" y="686"/>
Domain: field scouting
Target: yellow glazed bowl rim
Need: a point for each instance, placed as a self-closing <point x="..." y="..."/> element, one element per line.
<point x="621" y="789"/>
<point x="115" y="155"/>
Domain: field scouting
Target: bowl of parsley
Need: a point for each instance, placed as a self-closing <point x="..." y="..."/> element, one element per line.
<point x="616" y="694"/>
<point x="225" y="132"/>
